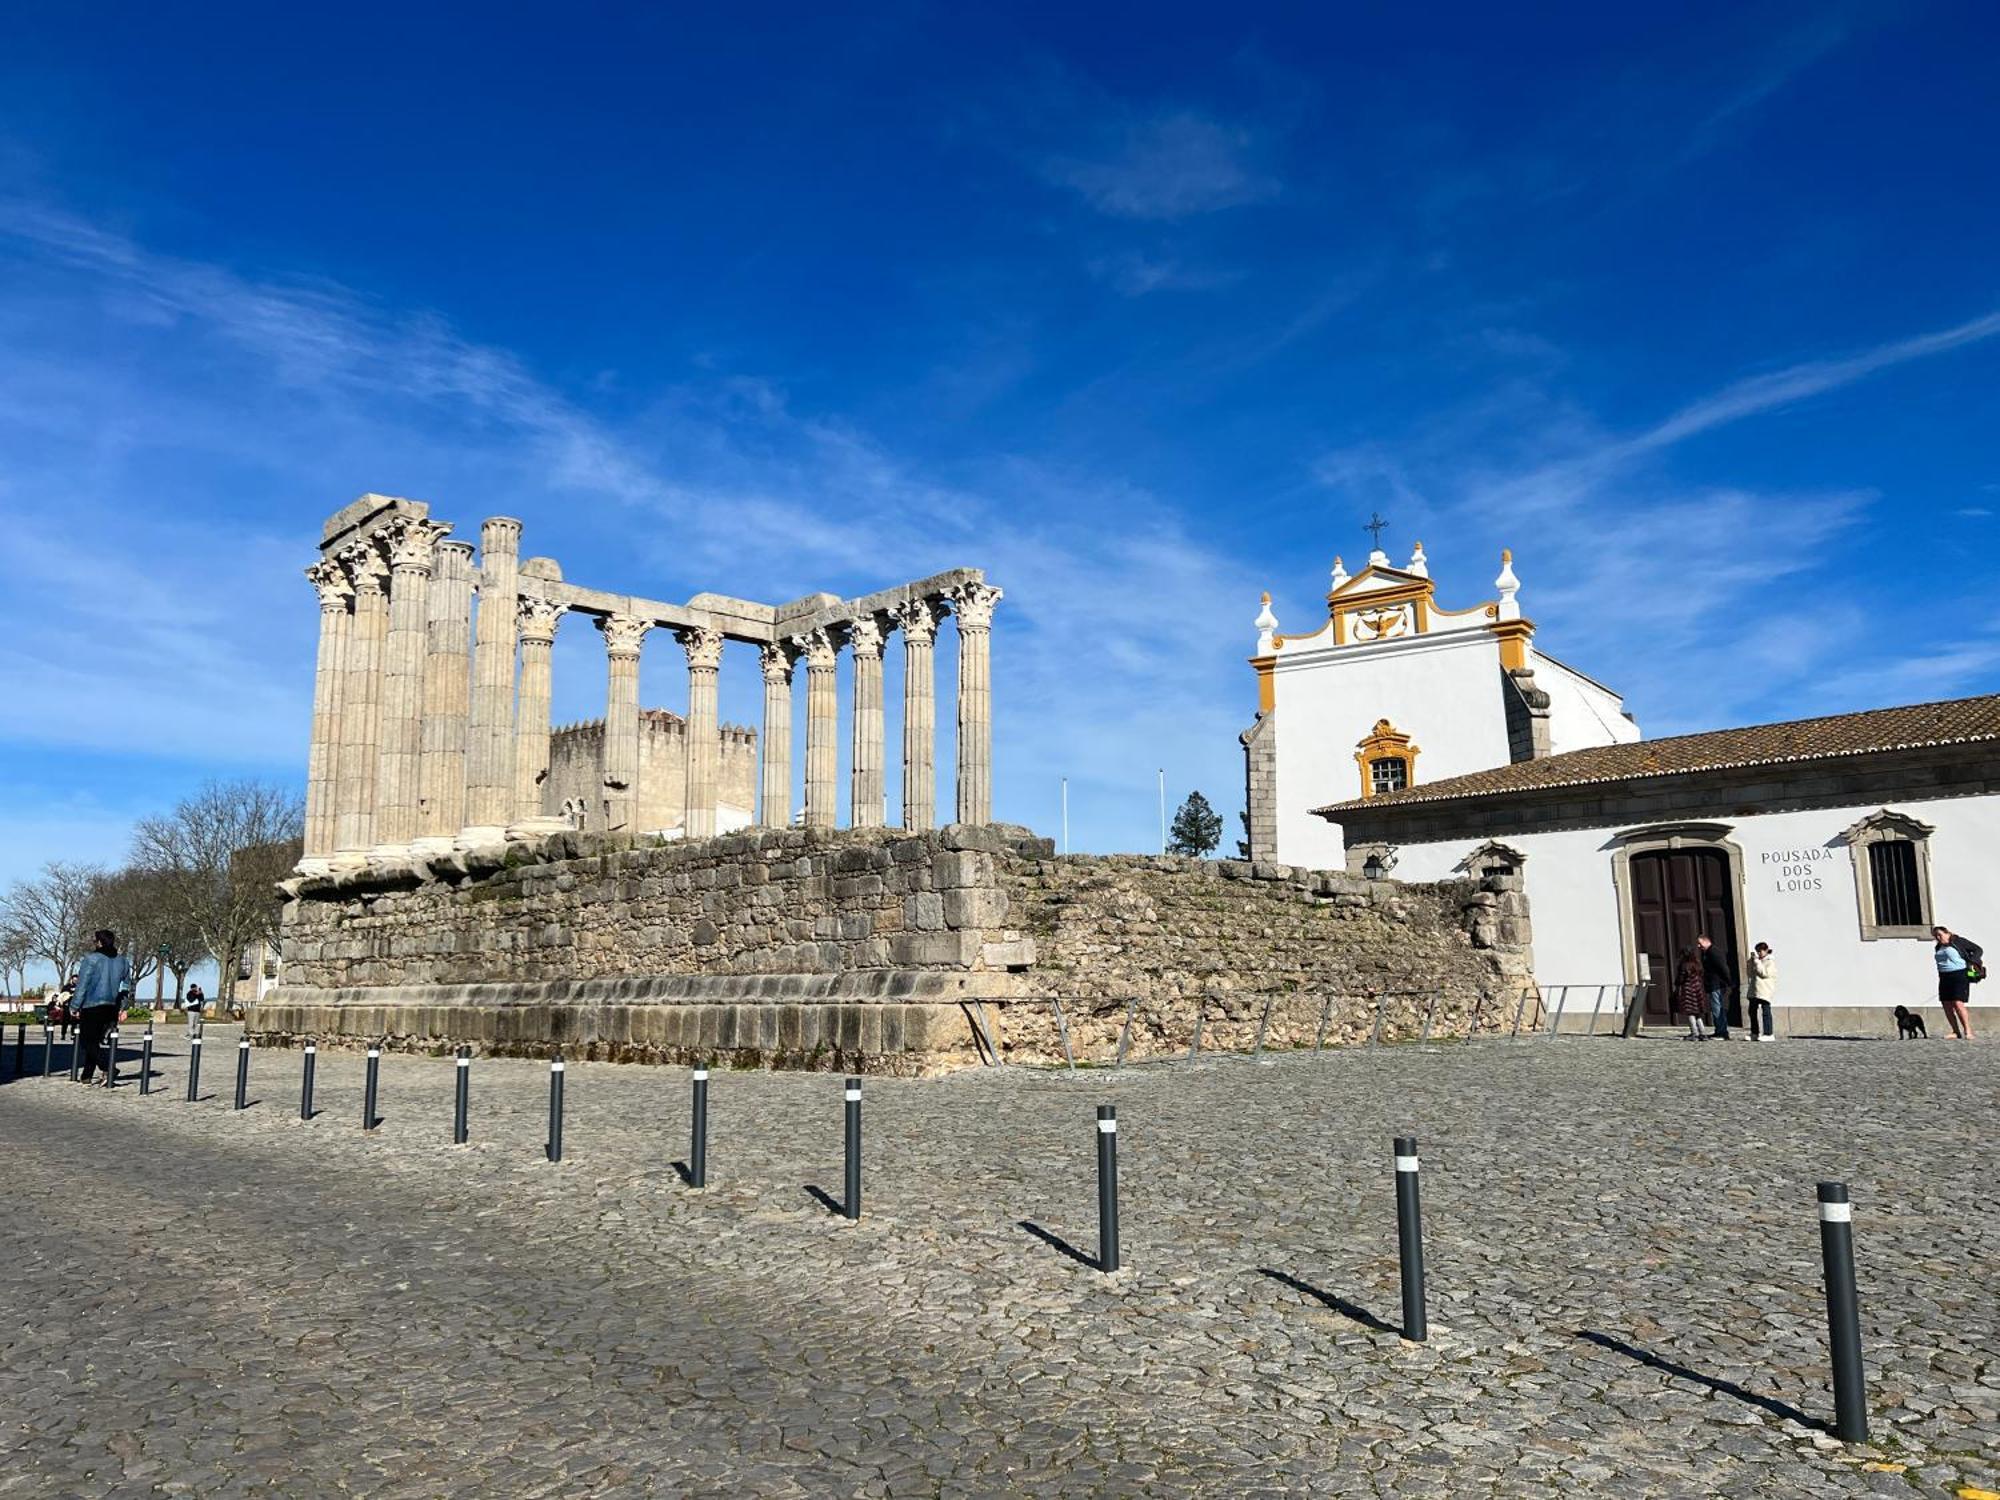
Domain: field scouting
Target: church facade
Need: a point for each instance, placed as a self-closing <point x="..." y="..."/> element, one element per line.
<point x="1400" y="736"/>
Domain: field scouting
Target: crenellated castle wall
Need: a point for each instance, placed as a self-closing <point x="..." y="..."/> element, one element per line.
<point x="576" y="768"/>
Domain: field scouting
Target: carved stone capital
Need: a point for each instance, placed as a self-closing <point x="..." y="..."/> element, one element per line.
<point x="367" y="569"/>
<point x="918" y="619"/>
<point x="973" y="604"/>
<point x="703" y="644"/>
<point x="778" y="657"/>
<point x="865" y="636"/>
<point x="820" y="648"/>
<point x="537" y="618"/>
<point x="329" y="578"/>
<point x="622" y="634"/>
<point x="412" y="544"/>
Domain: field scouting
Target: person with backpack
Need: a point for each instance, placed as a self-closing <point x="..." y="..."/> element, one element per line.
<point x="1960" y="965"/>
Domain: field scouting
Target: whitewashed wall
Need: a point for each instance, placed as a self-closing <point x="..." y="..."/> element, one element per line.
<point x="1582" y="713"/>
<point x="1805" y="909"/>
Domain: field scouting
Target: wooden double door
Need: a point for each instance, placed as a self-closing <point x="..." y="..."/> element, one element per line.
<point x="1677" y="895"/>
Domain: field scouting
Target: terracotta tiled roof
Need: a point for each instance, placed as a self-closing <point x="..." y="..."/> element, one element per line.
<point x="1960" y="721"/>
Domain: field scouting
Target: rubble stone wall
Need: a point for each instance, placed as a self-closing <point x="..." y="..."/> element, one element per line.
<point x="879" y="949"/>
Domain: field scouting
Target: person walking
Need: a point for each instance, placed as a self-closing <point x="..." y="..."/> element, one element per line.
<point x="1960" y="961"/>
<point x="62" y="1009"/>
<point x="1691" y="994"/>
<point x="1720" y="980"/>
<point x="103" y="983"/>
<point x="1763" y="986"/>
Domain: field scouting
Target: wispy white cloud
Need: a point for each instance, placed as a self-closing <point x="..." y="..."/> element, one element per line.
<point x="1165" y="166"/>
<point x="1133" y="274"/>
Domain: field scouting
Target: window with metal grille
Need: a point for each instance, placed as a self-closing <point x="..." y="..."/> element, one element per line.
<point x="1892" y="871"/>
<point x="1388" y="774"/>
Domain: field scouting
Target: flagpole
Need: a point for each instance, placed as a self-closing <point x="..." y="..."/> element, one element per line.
<point x="1065" y="815"/>
<point x="1163" y="809"/>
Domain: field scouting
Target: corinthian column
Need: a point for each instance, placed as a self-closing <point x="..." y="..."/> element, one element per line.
<point x="918" y="620"/>
<point x="865" y="788"/>
<point x="973" y="604"/>
<point x="703" y="644"/>
<point x="447" y="699"/>
<point x="821" y="650"/>
<point x="622" y="635"/>
<point x="412" y="548"/>
<point x="361" y="702"/>
<point x="775" y="745"/>
<point x="323" y="759"/>
<point x="537" y="623"/>
<point x="489" y="758"/>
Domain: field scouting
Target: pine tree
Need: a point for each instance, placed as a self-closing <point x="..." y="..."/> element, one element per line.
<point x="1243" y="844"/>
<point x="1197" y="828"/>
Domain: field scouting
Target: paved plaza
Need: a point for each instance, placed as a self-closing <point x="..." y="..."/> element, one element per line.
<point x="1624" y="1259"/>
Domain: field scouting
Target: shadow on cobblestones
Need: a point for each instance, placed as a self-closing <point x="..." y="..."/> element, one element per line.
<point x="1720" y="1387"/>
<point x="1341" y="1305"/>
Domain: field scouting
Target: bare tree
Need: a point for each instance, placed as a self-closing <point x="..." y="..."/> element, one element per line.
<point x="154" y="928"/>
<point x="50" y="913"/>
<point x="220" y="854"/>
<point x="16" y="953"/>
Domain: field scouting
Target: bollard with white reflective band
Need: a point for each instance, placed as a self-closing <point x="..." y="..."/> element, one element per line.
<point x="146" y="1061"/>
<point x="370" y="1088"/>
<point x="48" y="1049"/>
<point x="306" y="1081"/>
<point x="851" y="1205"/>
<point x="1410" y="1239"/>
<point x="1843" y="1313"/>
<point x="698" y="1142"/>
<point x="243" y="1074"/>
<point x="554" y="1148"/>
<point x="194" y="1067"/>
<point x="1107" y="1187"/>
<point x="111" y="1058"/>
<point x="461" y="1100"/>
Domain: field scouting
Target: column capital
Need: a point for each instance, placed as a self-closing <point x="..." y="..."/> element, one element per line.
<point x="918" y="619"/>
<point x="703" y="644"/>
<point x="820" y="648"/>
<point x="367" y="569"/>
<point x="622" y="634"/>
<point x="865" y="636"/>
<point x="537" y="618"/>
<point x="329" y="578"/>
<point x="778" y="658"/>
<point x="973" y="604"/>
<point x="412" y="544"/>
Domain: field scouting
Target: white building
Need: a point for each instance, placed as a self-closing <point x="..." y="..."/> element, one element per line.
<point x="1441" y="742"/>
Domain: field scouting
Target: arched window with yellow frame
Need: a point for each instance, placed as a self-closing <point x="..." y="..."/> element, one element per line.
<point x="1387" y="760"/>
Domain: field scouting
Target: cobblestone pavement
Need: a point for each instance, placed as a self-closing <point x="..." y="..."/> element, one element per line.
<point x="1625" y="1288"/>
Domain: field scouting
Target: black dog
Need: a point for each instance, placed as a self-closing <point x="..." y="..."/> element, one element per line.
<point x="1909" y="1025"/>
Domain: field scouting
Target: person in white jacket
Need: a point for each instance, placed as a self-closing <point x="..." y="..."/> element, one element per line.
<point x="1763" y="987"/>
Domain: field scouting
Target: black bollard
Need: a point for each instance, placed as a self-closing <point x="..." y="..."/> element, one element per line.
<point x="698" y="1146"/>
<point x="368" y="1093"/>
<point x="1107" y="1187"/>
<point x="243" y="1073"/>
<point x="111" y="1058"/>
<point x="194" y="1066"/>
<point x="554" y="1147"/>
<point x="20" y="1049"/>
<point x="1410" y="1239"/>
<point x="146" y="1061"/>
<point x="76" y="1056"/>
<point x="1843" y="1313"/>
<point x="851" y="1204"/>
<point x="461" y="1096"/>
<point x="306" y="1082"/>
<point x="48" y="1049"/>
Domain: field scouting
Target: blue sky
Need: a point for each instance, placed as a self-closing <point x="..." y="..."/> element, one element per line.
<point x="1144" y="310"/>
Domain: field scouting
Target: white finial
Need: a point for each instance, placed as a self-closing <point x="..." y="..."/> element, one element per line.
<point x="1339" y="572"/>
<point x="1419" y="564"/>
<point x="1509" y="586"/>
<point x="1378" y="558"/>
<point x="1266" y="624"/>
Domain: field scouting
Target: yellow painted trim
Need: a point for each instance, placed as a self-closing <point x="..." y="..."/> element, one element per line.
<point x="1385" y="742"/>
<point x="1514" y="636"/>
<point x="1267" y="686"/>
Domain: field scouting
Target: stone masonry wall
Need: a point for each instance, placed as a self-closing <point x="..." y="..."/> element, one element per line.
<point x="871" y="948"/>
<point x="1166" y="940"/>
<point x="576" y="771"/>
